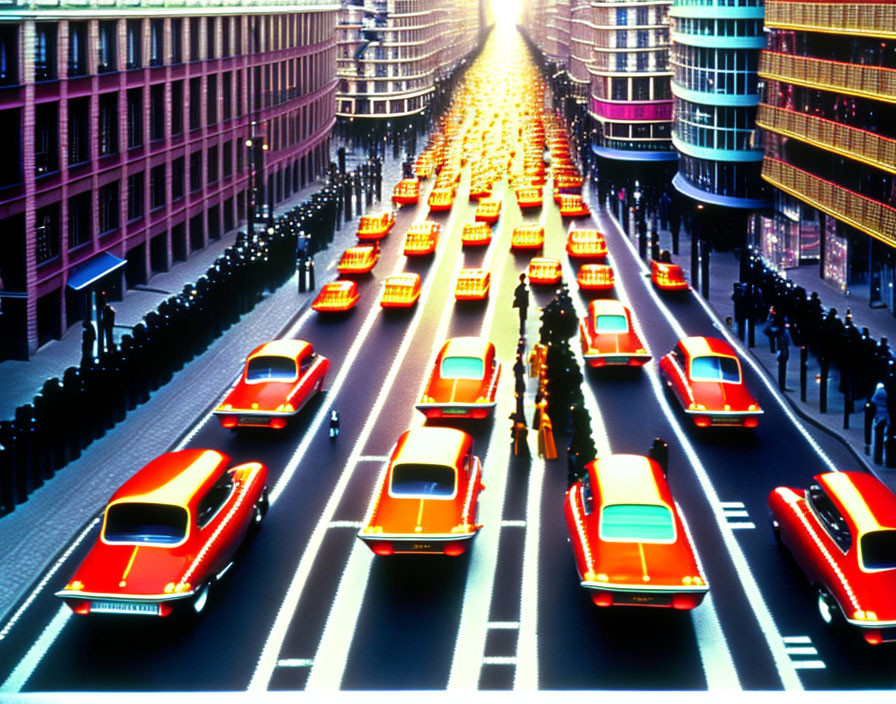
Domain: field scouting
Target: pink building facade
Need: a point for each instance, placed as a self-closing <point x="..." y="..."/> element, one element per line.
<point x="126" y="131"/>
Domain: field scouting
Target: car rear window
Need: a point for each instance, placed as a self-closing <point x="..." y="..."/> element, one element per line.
<point x="160" y="524"/>
<point x="637" y="523"/>
<point x="271" y="369"/>
<point x="424" y="480"/>
<point x="713" y="368"/>
<point x="462" y="368"/>
<point x="611" y="323"/>
<point x="879" y="550"/>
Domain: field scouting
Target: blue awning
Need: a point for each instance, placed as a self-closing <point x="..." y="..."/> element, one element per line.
<point x="93" y="269"/>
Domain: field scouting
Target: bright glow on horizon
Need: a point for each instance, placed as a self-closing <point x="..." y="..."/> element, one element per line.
<point x="506" y="13"/>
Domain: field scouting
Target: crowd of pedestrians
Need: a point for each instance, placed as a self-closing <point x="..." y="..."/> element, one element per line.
<point x="70" y="413"/>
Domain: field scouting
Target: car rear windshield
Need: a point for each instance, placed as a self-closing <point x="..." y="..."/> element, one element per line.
<point x="637" y="523"/>
<point x="162" y="524"/>
<point x="271" y="369"/>
<point x="879" y="550"/>
<point x="712" y="368"/>
<point x="462" y="368"/>
<point x="611" y="323"/>
<point x="425" y="480"/>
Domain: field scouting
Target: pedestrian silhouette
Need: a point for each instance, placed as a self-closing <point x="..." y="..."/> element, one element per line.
<point x="521" y="302"/>
<point x="334" y="423"/>
<point x="108" y="323"/>
<point x="88" y="337"/>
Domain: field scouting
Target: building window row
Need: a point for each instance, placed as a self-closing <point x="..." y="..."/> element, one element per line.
<point x="712" y="27"/>
<point x="864" y="51"/>
<point x="630" y="16"/>
<point x="632" y="88"/>
<point x="703" y="133"/>
<point x="632" y="38"/>
<point x="718" y="71"/>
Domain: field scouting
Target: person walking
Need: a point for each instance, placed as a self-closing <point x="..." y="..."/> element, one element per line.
<point x="334" y="424"/>
<point x="521" y="303"/>
<point x="108" y="323"/>
<point x="88" y="338"/>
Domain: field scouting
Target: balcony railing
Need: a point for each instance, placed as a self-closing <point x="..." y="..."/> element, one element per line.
<point x="833" y="136"/>
<point x="874" y="19"/>
<point x="852" y="79"/>
<point x="863" y="213"/>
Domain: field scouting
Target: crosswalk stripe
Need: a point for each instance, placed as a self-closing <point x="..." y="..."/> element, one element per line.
<point x="498" y="660"/>
<point x="346" y="524"/>
<point x="801" y="650"/>
<point x="796" y="639"/>
<point x="373" y="458"/>
<point x="295" y="662"/>
<point x="731" y="504"/>
<point x="809" y="665"/>
<point x="734" y="513"/>
<point x="513" y="524"/>
<point x="742" y="525"/>
<point x="504" y="625"/>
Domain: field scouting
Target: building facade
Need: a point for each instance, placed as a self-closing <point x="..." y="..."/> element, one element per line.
<point x="392" y="54"/>
<point x="828" y="112"/>
<point x="127" y="126"/>
<point x="714" y="58"/>
<point x="631" y="99"/>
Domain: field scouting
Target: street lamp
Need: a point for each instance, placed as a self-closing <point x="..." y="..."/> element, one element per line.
<point x="256" y="146"/>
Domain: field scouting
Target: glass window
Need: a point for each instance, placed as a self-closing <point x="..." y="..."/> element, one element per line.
<point x="462" y="368"/>
<point x="45" y="51"/>
<point x="423" y="480"/>
<point x="829" y="516"/>
<point x="879" y="550"/>
<point x="77" y="48"/>
<point x="134" y="43"/>
<point x="611" y="323"/>
<point x="713" y="368"/>
<point x="271" y="369"/>
<point x="643" y="523"/>
<point x="213" y="501"/>
<point x="156" y="42"/>
<point x="160" y="524"/>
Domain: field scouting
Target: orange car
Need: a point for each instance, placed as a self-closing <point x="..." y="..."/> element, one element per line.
<point x="544" y="270"/>
<point x="608" y="337"/>
<point x="572" y="206"/>
<point x="478" y="233"/>
<point x="279" y="378"/>
<point x="336" y="297"/>
<point x="528" y="197"/>
<point x="427" y="497"/>
<point x="441" y="199"/>
<point x="464" y="380"/>
<point x="400" y="291"/>
<point x="406" y="192"/>
<point x="359" y="259"/>
<point x="480" y="188"/>
<point x="667" y="276"/>
<point x="631" y="544"/>
<point x="169" y="534"/>
<point x="586" y="244"/>
<point x="595" y="277"/>
<point x="375" y="227"/>
<point x="422" y="238"/>
<point x="488" y="210"/>
<point x="527" y="237"/>
<point x="472" y="285"/>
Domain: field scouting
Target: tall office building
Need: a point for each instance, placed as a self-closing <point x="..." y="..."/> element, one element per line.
<point x="126" y="127"/>
<point x="828" y="111"/>
<point x="392" y="54"/>
<point x="715" y="56"/>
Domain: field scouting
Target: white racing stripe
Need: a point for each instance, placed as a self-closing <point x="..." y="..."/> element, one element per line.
<point x="711" y="659"/>
<point x="525" y="678"/>
<point x="267" y="661"/>
<point x="35" y="654"/>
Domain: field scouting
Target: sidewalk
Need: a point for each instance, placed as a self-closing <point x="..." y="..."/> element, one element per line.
<point x="724" y="272"/>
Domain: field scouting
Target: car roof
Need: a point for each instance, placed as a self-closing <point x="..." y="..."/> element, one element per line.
<point x="429" y="445"/>
<point x="282" y="348"/>
<point x="340" y="285"/>
<point x="465" y="347"/>
<point x="862" y="499"/>
<point x="606" y="306"/>
<point x="629" y="479"/>
<point x="696" y="346"/>
<point x="176" y="478"/>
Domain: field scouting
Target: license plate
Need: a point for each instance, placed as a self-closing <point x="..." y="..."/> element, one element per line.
<point x="454" y="411"/>
<point x="725" y="420"/>
<point x="647" y="599"/>
<point x="254" y="420"/>
<point x="124" y="607"/>
<point x="616" y="360"/>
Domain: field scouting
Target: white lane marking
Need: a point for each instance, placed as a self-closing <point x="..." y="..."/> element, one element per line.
<point x="715" y="655"/>
<point x="738" y="525"/>
<point x="504" y="625"/>
<point x="373" y="458"/>
<point x="346" y="524"/>
<point x="801" y="650"/>
<point x="809" y="664"/>
<point x="267" y="661"/>
<point x="735" y="513"/>
<point x="513" y="524"/>
<point x="796" y="639"/>
<point x="469" y="647"/>
<point x="332" y="264"/>
<point x="295" y="662"/>
<point x="731" y="504"/>
<point x="525" y="677"/>
<point x="498" y="660"/>
<point x="299" y="324"/>
<point x="35" y="654"/>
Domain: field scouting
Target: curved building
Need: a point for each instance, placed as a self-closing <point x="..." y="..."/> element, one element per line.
<point x="715" y="56"/>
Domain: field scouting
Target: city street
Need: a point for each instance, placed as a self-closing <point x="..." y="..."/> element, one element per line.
<point x="308" y="606"/>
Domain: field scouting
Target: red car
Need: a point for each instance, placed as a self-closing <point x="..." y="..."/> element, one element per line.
<point x="279" y="378"/>
<point x="667" y="276"/>
<point x="359" y="259"/>
<point x="630" y="541"/>
<point x="608" y="337"/>
<point x="169" y="533"/>
<point x="375" y="227"/>
<point x="572" y="206"/>
<point x="440" y="199"/>
<point x="406" y="192"/>
<point x="544" y="270"/>
<point x="475" y="234"/>
<point x="705" y="376"/>
<point x="464" y="380"/>
<point x="421" y="238"/>
<point x="488" y="210"/>
<point x="427" y="497"/>
<point x="527" y="237"/>
<point x="596" y="277"/>
<point x="842" y="533"/>
<point x="586" y="244"/>
<point x="472" y="285"/>
<point x="529" y="197"/>
<point x="336" y="297"/>
<point x="400" y="291"/>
